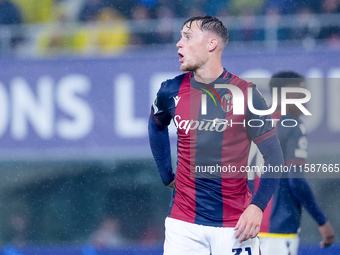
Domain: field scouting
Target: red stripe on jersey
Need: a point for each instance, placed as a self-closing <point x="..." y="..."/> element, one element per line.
<point x="267" y="212"/>
<point x="266" y="217"/>
<point x="235" y="151"/>
<point x="236" y="195"/>
<point x="276" y="114"/>
<point x="265" y="136"/>
<point x="233" y="76"/>
<point x="184" y="201"/>
<point x="226" y="73"/>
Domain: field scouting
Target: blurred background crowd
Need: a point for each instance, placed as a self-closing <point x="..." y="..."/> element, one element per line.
<point x="92" y="27"/>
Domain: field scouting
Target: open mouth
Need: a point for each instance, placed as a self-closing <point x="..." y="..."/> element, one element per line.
<point x="181" y="57"/>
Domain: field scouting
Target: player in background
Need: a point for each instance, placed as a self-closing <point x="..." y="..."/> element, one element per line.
<point x="211" y="213"/>
<point x="279" y="233"/>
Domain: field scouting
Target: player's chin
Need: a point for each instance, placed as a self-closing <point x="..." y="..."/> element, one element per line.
<point x="187" y="68"/>
<point x="184" y="67"/>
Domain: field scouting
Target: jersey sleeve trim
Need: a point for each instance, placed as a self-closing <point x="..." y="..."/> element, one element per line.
<point x="265" y="136"/>
<point x="158" y="122"/>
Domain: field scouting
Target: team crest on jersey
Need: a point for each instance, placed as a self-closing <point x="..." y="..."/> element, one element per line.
<point x="227" y="102"/>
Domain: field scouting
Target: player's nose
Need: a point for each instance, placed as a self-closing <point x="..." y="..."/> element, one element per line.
<point x="179" y="44"/>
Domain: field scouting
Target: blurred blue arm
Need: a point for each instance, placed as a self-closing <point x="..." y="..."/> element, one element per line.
<point x="160" y="147"/>
<point x="304" y="194"/>
<point x="272" y="154"/>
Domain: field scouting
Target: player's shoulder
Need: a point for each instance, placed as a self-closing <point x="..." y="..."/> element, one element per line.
<point x="239" y="82"/>
<point x="172" y="85"/>
<point x="170" y="88"/>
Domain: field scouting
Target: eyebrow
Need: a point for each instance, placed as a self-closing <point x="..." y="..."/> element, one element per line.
<point x="185" y="33"/>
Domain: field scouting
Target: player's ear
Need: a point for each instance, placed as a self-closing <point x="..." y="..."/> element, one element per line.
<point x="212" y="44"/>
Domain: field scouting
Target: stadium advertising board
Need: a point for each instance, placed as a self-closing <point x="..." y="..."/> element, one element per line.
<point x="94" y="107"/>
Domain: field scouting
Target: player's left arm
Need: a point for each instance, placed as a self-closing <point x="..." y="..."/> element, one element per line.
<point x="248" y="225"/>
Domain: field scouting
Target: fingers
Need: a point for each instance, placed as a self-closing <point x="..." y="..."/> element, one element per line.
<point x="239" y="227"/>
<point x="246" y="234"/>
<point x="248" y="225"/>
<point x="328" y="241"/>
<point x="328" y="235"/>
<point x="246" y="230"/>
<point x="250" y="231"/>
<point x="322" y="244"/>
<point x="256" y="232"/>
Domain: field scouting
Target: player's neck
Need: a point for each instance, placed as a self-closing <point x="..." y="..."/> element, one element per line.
<point x="208" y="73"/>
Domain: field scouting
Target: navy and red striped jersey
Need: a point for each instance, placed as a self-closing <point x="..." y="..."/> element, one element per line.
<point x="210" y="136"/>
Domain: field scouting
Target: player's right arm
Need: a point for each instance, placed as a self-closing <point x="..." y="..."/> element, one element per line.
<point x="160" y="147"/>
<point x="159" y="138"/>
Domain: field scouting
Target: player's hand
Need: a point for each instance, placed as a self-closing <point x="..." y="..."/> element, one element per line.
<point x="248" y="225"/>
<point x="328" y="235"/>
<point x="172" y="184"/>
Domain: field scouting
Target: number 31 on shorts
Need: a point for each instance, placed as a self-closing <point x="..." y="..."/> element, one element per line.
<point x="239" y="250"/>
